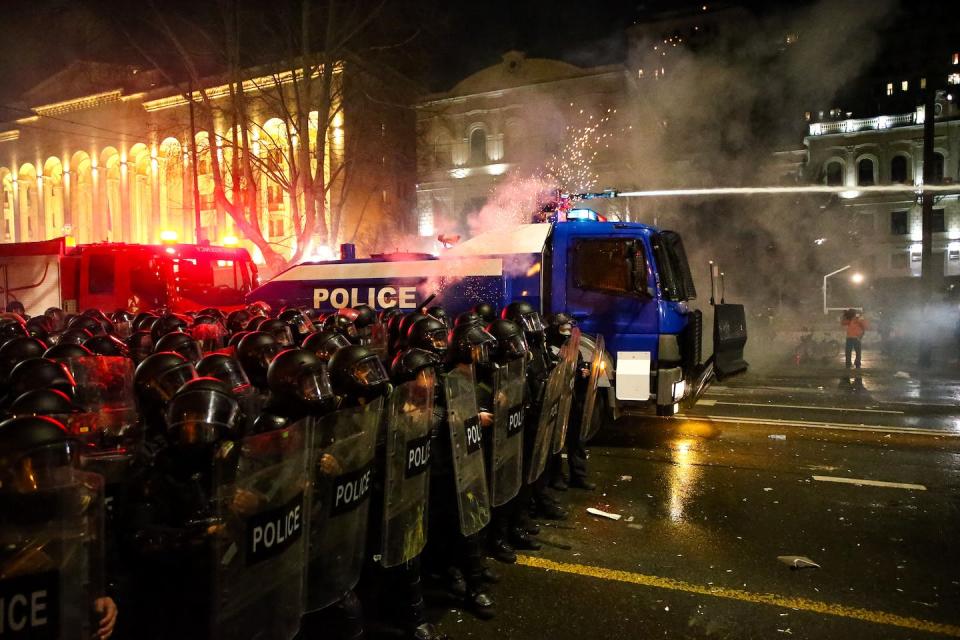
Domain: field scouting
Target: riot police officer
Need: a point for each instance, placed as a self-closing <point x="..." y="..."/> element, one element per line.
<point x="42" y="495"/>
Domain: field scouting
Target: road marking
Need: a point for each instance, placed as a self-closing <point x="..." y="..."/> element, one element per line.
<point x="772" y="599"/>
<point x="871" y="483"/>
<point x="706" y="403"/>
<point x="837" y="426"/>
<point x="801" y="406"/>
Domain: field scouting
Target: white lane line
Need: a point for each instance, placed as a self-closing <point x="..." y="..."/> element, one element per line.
<point x="837" y="426"/>
<point x="871" y="483"/>
<point x="810" y="407"/>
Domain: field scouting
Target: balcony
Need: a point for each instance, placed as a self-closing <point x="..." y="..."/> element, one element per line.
<point x="864" y="124"/>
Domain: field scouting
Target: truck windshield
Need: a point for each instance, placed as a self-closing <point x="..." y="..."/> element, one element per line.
<point x="212" y="281"/>
<point x="675" y="277"/>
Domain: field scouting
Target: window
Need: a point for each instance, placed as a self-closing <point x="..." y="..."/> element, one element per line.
<point x="834" y="174"/>
<point x="937" y="168"/>
<point x="100" y="274"/>
<point x="898" y="170"/>
<point x="954" y="255"/>
<point x="889" y="88"/>
<point x="605" y="265"/>
<point x="899" y="223"/>
<point x="939" y="221"/>
<point x="865" y="172"/>
<point x="923" y="83"/>
<point x="953" y="78"/>
<point x="478" y="147"/>
<point x="905" y="85"/>
<point x="900" y="260"/>
<point x="955" y="59"/>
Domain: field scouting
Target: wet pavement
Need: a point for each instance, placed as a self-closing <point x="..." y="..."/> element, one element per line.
<point x="708" y="505"/>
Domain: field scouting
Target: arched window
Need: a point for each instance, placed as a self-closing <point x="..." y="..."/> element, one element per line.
<point x="938" y="162"/>
<point x="478" y="147"/>
<point x="865" y="172"/>
<point x="834" y="174"/>
<point x="898" y="170"/>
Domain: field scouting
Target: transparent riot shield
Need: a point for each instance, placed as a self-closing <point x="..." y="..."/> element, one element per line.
<point x="567" y="368"/>
<point x="508" y="410"/>
<point x="51" y="563"/>
<point x="104" y="394"/>
<point x="473" y="498"/>
<point x="259" y="552"/>
<point x="551" y="420"/>
<point x="377" y="341"/>
<point x="407" y="477"/>
<point x="589" y="426"/>
<point x="339" y="469"/>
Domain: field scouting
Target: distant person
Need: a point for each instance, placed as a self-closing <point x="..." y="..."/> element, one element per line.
<point x="856" y="325"/>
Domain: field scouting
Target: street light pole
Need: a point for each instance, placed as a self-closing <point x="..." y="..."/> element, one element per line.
<point x="832" y="273"/>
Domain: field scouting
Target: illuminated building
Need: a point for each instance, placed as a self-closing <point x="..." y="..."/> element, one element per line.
<point x="520" y="115"/>
<point x="103" y="153"/>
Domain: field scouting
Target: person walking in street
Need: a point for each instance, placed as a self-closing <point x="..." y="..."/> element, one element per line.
<point x="856" y="325"/>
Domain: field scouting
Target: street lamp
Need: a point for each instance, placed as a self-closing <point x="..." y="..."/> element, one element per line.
<point x="826" y="310"/>
<point x="856" y="278"/>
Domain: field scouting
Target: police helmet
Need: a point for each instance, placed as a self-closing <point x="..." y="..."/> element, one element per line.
<point x="15" y="351"/>
<point x="486" y="312"/>
<point x="139" y="345"/>
<point x="471" y="344"/>
<point x="410" y="362"/>
<point x="559" y="327"/>
<point x="254" y="323"/>
<point x="203" y="411"/>
<point x="12" y="328"/>
<point x="299" y="375"/>
<point x="237" y="320"/>
<point x="255" y="351"/>
<point x="438" y="312"/>
<point x="510" y="341"/>
<point x="227" y="369"/>
<point x="404" y="328"/>
<point x="168" y="323"/>
<point x="74" y="336"/>
<point x="366" y="316"/>
<point x="66" y="350"/>
<point x="181" y="343"/>
<point x="107" y="345"/>
<point x="36" y="454"/>
<point x="44" y="402"/>
<point x="300" y="325"/>
<point x="429" y="334"/>
<point x="525" y="315"/>
<point x="325" y="343"/>
<point x="141" y="320"/>
<point x="279" y="330"/>
<point x="159" y="376"/>
<point x="39" y="327"/>
<point x="357" y="373"/>
<point x="40" y="373"/>
<point x="56" y="317"/>
<point x="468" y="318"/>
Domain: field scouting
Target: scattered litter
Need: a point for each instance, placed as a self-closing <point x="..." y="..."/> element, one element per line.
<point x="786" y="631"/>
<point x="629" y="519"/>
<point x="603" y="514"/>
<point x="626" y="478"/>
<point x="635" y="526"/>
<point x="901" y="374"/>
<point x="798" y="562"/>
<point x="777" y="436"/>
<point x="666" y="608"/>
<point x="768" y="488"/>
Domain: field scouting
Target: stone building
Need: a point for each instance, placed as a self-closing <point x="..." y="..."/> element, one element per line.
<point x="519" y="116"/>
<point x="103" y="153"/>
<point x="884" y="150"/>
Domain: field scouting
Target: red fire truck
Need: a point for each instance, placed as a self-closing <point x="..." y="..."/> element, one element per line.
<point x="110" y="276"/>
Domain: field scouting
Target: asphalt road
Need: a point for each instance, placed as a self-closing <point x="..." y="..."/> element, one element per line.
<point x="708" y="505"/>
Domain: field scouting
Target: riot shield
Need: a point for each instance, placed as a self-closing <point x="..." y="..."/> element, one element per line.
<point x="339" y="468"/>
<point x="377" y="341"/>
<point x="259" y="552"/>
<point x="589" y="426"/>
<point x="407" y="477"/>
<point x="568" y="369"/>
<point x="51" y="566"/>
<point x="473" y="498"/>
<point x="507" y="474"/>
<point x="104" y="394"/>
<point x="551" y="420"/>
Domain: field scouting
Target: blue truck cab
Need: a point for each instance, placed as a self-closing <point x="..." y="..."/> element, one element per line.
<point x="625" y="281"/>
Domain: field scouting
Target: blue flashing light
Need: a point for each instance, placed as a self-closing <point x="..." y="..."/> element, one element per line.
<point x="584" y="214"/>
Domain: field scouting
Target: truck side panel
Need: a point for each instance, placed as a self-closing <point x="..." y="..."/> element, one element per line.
<point x="33" y="280"/>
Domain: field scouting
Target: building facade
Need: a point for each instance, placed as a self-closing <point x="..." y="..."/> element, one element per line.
<point x="523" y="116"/>
<point x="105" y="153"/>
<point x="885" y="150"/>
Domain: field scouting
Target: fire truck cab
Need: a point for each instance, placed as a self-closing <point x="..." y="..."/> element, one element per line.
<point x="182" y="277"/>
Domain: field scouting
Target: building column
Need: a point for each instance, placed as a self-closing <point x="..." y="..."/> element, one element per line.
<point x="97" y="218"/>
<point x="68" y="200"/>
<point x="155" y="223"/>
<point x="126" y="220"/>
<point x="17" y="218"/>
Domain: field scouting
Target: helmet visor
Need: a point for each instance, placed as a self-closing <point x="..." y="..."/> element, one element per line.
<point x="437" y="341"/>
<point x="169" y="381"/>
<point x="513" y="347"/>
<point x="198" y="417"/>
<point x="370" y="372"/>
<point x="41" y="469"/>
<point x="532" y="322"/>
<point x="303" y="324"/>
<point x="233" y="374"/>
<point x="333" y="344"/>
<point x="283" y="336"/>
<point x="314" y="386"/>
<point x="191" y="350"/>
<point x="480" y="353"/>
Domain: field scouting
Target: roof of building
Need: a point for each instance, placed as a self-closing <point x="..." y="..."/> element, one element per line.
<point x="517" y="70"/>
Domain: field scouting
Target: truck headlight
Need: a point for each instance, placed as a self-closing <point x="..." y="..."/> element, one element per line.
<point x="679" y="389"/>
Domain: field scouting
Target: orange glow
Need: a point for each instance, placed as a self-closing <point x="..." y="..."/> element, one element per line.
<point x="168" y="236"/>
<point x="230" y="241"/>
